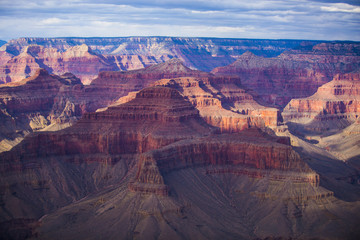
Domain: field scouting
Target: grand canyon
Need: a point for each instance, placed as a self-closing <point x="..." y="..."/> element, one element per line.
<point x="179" y="138"/>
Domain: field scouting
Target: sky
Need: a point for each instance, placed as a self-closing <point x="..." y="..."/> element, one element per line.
<point x="262" y="19"/>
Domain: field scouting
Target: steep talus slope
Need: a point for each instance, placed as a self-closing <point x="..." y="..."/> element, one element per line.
<point x="38" y="102"/>
<point x="293" y="74"/>
<point x="122" y="167"/>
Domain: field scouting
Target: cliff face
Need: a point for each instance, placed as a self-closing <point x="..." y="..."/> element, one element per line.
<point x="79" y="60"/>
<point x="86" y="57"/>
<point x="109" y="86"/>
<point x="223" y="103"/>
<point x="37" y="102"/>
<point x="293" y="74"/>
<point x="157" y="132"/>
<point x="336" y="100"/>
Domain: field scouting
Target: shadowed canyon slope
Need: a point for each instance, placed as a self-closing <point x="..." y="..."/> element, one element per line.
<point x="86" y="57"/>
<point x="141" y="163"/>
<point x="295" y="73"/>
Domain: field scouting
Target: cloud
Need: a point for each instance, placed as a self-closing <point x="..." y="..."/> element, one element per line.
<point x="341" y="7"/>
<point x="300" y="19"/>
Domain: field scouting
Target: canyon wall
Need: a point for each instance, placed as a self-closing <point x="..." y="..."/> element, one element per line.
<point x="336" y="100"/>
<point x="86" y="57"/>
<point x="294" y="73"/>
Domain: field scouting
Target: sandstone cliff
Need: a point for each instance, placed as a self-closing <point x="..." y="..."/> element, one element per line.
<point x="79" y="60"/>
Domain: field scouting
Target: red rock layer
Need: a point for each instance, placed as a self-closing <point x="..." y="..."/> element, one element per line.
<point x="160" y="124"/>
<point x="223" y="103"/>
<point x="250" y="149"/>
<point x="79" y="60"/>
<point x="338" y="99"/>
<point x="294" y="74"/>
<point x="156" y="117"/>
<point x="109" y="86"/>
<point x="39" y="101"/>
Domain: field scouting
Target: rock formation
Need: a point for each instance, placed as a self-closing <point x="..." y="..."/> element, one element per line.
<point x="293" y="74"/>
<point x="154" y="152"/>
<point x="109" y="86"/>
<point x="86" y="57"/>
<point x="221" y="102"/>
<point x="38" y="102"/>
<point x="79" y="60"/>
<point x="336" y="101"/>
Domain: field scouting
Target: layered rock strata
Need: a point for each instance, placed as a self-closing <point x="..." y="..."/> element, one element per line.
<point x="250" y="148"/>
<point x="59" y="55"/>
<point x="109" y="86"/>
<point x="158" y="131"/>
<point x="221" y="102"/>
<point x="37" y="102"/>
<point x="338" y="100"/>
<point x="293" y="74"/>
<point x="79" y="60"/>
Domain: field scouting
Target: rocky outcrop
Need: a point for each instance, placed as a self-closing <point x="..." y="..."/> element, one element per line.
<point x="220" y="101"/>
<point x="336" y="100"/>
<point x="293" y="74"/>
<point x="37" y="102"/>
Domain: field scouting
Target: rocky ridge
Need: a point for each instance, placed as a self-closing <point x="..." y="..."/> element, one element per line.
<point x="109" y="86"/>
<point x="220" y="100"/>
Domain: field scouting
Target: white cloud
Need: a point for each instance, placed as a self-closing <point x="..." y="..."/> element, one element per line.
<point x="52" y="21"/>
<point x="341" y="7"/>
<point x="302" y="19"/>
